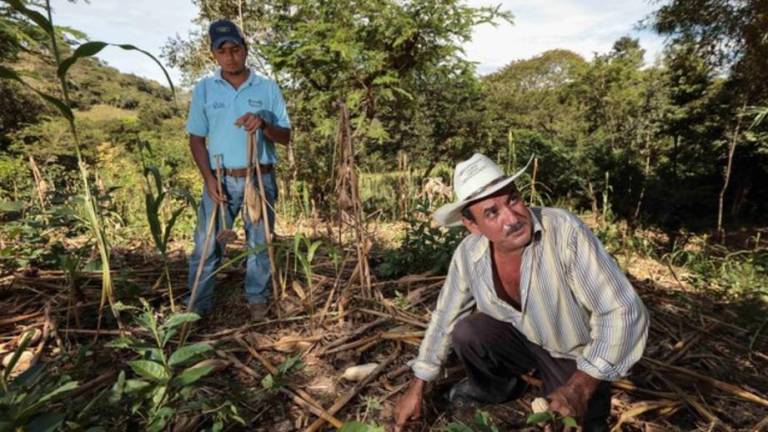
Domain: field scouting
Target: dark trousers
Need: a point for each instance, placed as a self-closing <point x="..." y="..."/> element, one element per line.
<point x="494" y="352"/>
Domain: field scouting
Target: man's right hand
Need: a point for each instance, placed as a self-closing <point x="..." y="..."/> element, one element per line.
<point x="409" y="406"/>
<point x="213" y="190"/>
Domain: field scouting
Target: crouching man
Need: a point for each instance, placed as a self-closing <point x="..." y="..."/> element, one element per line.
<point x="546" y="296"/>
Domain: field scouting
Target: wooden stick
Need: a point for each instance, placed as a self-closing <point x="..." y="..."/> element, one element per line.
<point x="360" y="330"/>
<point x="698" y="406"/>
<point x="297" y="395"/>
<point x="729" y="388"/>
<point x="394" y="317"/>
<point x="351" y="345"/>
<point x="341" y="402"/>
<point x="265" y="221"/>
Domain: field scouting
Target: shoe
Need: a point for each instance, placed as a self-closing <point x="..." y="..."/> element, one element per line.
<point x="258" y="311"/>
<point x="465" y="394"/>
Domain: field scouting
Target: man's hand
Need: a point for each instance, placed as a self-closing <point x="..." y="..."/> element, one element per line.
<point x="250" y="122"/>
<point x="572" y="398"/>
<point x="213" y="190"/>
<point x="409" y="406"/>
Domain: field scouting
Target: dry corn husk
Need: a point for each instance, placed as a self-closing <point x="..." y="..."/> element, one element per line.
<point x="359" y="372"/>
<point x="288" y="344"/>
<point x="34" y="336"/>
<point x="25" y="361"/>
<point x="252" y="201"/>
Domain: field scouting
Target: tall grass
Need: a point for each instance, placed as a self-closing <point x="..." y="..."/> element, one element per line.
<point x="64" y="105"/>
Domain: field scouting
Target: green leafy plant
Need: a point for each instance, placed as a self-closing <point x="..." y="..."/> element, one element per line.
<point x="289" y="365"/>
<point x="482" y="423"/>
<point x="26" y="401"/>
<point x="64" y="106"/>
<point x="548" y="417"/>
<point x="166" y="380"/>
<point x="356" y="426"/>
<point x="425" y="248"/>
<point x="154" y="196"/>
<point x="304" y="255"/>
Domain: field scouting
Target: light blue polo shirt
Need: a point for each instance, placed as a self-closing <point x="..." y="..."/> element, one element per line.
<point x="215" y="107"/>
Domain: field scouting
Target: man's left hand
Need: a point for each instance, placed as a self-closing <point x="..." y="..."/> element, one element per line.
<point x="572" y="398"/>
<point x="250" y="122"/>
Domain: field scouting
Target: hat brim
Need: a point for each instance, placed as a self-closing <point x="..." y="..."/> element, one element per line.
<point x="220" y="41"/>
<point x="450" y="214"/>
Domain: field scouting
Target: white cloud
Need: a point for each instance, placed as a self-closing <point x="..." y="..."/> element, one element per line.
<point x="145" y="23"/>
<point x="585" y="27"/>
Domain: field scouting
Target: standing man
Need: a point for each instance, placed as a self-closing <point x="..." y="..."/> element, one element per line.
<point x="225" y="108"/>
<point x="547" y="297"/>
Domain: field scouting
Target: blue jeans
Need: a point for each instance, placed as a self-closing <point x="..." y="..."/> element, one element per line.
<point x="257" y="274"/>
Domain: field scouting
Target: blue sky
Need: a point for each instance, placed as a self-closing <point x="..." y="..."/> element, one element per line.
<point x="583" y="26"/>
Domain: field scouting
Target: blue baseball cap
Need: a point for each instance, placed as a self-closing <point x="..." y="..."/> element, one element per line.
<point x="225" y="31"/>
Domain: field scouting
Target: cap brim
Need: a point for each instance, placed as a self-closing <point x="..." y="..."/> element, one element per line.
<point x="218" y="42"/>
<point x="450" y="214"/>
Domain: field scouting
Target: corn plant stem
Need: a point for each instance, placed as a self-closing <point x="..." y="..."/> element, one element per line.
<point x="265" y="221"/>
<point x="729" y="388"/>
<point x="90" y="204"/>
<point x="170" y="284"/>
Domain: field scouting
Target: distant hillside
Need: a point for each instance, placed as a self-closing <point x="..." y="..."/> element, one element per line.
<point x="93" y="86"/>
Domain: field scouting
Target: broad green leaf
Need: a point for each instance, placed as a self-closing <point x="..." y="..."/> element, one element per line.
<point x="118" y="389"/>
<point x="194" y="373"/>
<point x="86" y="49"/>
<point x="159" y="394"/>
<point x="188" y="353"/>
<point x="120" y="342"/>
<point x="356" y="426"/>
<point x="136" y="386"/>
<point x="312" y="250"/>
<point x="68" y="387"/>
<point x="268" y="382"/>
<point x="169" y="225"/>
<point x="178" y="319"/>
<point x="540" y="417"/>
<point x="168" y="335"/>
<point x="570" y="422"/>
<point x="150" y="370"/>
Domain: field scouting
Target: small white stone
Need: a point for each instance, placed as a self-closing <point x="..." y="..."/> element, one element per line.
<point x="539" y="405"/>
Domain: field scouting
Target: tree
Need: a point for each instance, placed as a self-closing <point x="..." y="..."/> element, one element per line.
<point x="388" y="61"/>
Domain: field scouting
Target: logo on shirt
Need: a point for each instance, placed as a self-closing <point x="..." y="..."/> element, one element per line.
<point x="218" y="105"/>
<point x="255" y="103"/>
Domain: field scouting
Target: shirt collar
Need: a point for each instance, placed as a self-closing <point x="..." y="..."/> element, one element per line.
<point x="481" y="246"/>
<point x="253" y="77"/>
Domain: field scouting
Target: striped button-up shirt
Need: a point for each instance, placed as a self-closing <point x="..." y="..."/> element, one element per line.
<point x="575" y="301"/>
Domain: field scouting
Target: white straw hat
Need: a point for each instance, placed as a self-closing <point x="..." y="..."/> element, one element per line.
<point x="473" y="179"/>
